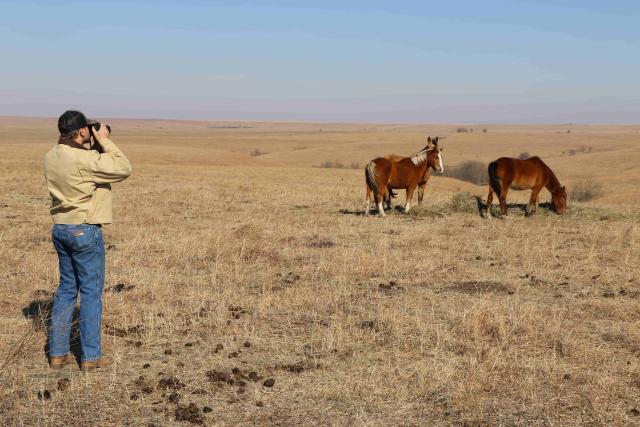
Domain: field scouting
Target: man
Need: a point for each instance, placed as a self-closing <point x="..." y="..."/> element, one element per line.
<point x="79" y="180"/>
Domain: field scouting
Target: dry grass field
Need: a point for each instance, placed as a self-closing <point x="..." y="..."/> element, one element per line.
<point x="245" y="287"/>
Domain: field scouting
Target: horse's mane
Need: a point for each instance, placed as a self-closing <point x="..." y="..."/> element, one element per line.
<point x="553" y="184"/>
<point x="421" y="156"/>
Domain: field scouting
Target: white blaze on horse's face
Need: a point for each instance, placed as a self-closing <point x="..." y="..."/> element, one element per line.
<point x="441" y="162"/>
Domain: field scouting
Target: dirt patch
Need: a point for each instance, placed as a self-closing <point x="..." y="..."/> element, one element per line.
<point x="63" y="384"/>
<point x="533" y="280"/>
<point x="189" y="413"/>
<point x="120" y="287"/>
<point x="237" y="377"/>
<point x="123" y="332"/>
<point x="257" y="254"/>
<point x="622" y="340"/>
<point x="170" y="383"/>
<point x="390" y="288"/>
<point x="237" y="311"/>
<point x="289" y="278"/>
<point x="479" y="287"/>
<point x="286" y="280"/>
<point x="42" y="293"/>
<point x="220" y="377"/>
<point x="44" y="395"/>
<point x="298" y="367"/>
<point x="269" y="382"/>
<point x="145" y="386"/>
<point x="320" y="242"/>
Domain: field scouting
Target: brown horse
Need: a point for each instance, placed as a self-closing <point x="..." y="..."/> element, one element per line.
<point x="533" y="174"/>
<point x="389" y="194"/>
<point x="383" y="175"/>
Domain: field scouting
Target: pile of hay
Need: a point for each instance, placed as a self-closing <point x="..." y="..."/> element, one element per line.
<point x="460" y="203"/>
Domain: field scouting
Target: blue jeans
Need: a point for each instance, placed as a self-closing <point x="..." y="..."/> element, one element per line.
<point x="80" y="250"/>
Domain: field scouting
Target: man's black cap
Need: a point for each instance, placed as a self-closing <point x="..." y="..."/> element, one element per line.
<point x="71" y="121"/>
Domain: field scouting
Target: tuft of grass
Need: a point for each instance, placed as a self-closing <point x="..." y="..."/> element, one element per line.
<point x="470" y="171"/>
<point x="583" y="149"/>
<point x="463" y="203"/>
<point x="337" y="164"/>
<point x="257" y="152"/>
<point x="332" y="164"/>
<point x="585" y="191"/>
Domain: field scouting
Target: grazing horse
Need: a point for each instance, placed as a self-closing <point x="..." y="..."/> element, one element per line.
<point x="533" y="174"/>
<point x="382" y="175"/>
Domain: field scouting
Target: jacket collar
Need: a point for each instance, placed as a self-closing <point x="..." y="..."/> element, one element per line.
<point x="70" y="143"/>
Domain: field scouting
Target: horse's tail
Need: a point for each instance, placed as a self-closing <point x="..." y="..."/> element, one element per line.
<point x="494" y="180"/>
<point x="370" y="176"/>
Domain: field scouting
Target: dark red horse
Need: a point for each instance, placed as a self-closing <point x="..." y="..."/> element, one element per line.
<point x="531" y="174"/>
<point x="383" y="175"/>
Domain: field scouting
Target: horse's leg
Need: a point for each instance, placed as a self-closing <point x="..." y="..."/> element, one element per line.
<point x="420" y="193"/>
<point x="533" y="201"/>
<point x="503" y="198"/>
<point x="505" y="184"/>
<point x="378" y="198"/>
<point x="489" y="202"/>
<point x="387" y="197"/>
<point x="410" y="191"/>
<point x="368" y="204"/>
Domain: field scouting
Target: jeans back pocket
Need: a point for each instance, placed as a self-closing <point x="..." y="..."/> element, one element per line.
<point x="81" y="237"/>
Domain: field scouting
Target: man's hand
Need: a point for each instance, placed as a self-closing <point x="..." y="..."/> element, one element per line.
<point x="101" y="134"/>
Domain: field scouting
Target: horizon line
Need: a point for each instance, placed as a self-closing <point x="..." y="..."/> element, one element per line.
<point x="410" y="123"/>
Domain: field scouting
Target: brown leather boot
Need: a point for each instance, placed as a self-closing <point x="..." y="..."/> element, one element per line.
<point x="103" y="362"/>
<point x="59" y="362"/>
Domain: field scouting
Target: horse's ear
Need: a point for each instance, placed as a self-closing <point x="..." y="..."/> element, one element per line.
<point x="429" y="139"/>
<point x="435" y="140"/>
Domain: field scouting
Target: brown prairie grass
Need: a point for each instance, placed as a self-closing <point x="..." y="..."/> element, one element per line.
<point x="250" y="289"/>
<point x="586" y="190"/>
<point x="470" y="171"/>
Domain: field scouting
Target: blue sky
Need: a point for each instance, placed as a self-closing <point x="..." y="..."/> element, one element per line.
<point x="381" y="61"/>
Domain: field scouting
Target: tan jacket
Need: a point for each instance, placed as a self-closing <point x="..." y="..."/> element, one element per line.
<point x="79" y="181"/>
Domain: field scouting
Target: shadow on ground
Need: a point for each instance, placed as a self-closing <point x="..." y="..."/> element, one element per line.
<point x="39" y="311"/>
